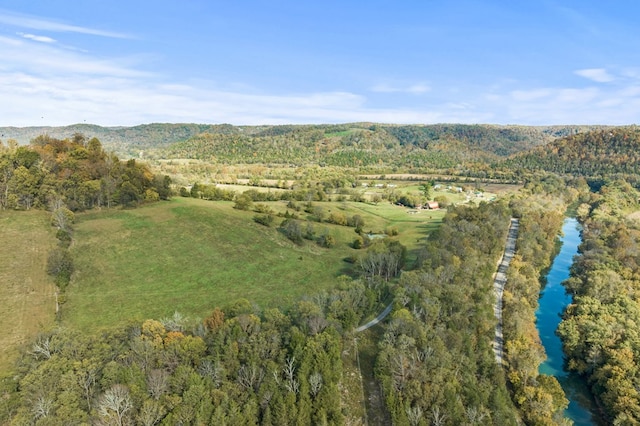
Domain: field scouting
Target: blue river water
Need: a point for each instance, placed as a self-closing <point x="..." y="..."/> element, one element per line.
<point x="552" y="303"/>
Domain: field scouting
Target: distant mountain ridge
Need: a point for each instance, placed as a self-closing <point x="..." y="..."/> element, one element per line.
<point x="121" y="139"/>
<point x="339" y="144"/>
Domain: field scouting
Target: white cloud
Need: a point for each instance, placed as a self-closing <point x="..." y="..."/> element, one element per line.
<point x="41" y="39"/>
<point x="47" y="59"/>
<point x="44" y="24"/>
<point x="599" y="75"/>
<point x="567" y="105"/>
<point x="415" y="89"/>
<point x="46" y="84"/>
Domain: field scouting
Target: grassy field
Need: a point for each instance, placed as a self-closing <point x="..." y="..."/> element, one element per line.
<point x="28" y="301"/>
<point x="190" y="256"/>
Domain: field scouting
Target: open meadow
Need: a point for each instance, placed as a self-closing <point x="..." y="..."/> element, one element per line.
<point x="190" y="255"/>
<point x="28" y="295"/>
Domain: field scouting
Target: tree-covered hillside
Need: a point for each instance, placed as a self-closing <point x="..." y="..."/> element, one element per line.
<point x="591" y="154"/>
<point x="365" y="145"/>
<point x="441" y="144"/>
<point x="125" y="141"/>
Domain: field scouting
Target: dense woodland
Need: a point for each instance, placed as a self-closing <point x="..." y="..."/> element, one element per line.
<point x="600" y="328"/>
<point x="245" y="364"/>
<point x="599" y="155"/>
<point x="241" y="365"/>
<point x="438" y="146"/>
<point x="435" y="362"/>
<point x="454" y="148"/>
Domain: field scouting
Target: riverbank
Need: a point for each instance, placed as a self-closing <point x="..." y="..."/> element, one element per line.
<point x="552" y="303"/>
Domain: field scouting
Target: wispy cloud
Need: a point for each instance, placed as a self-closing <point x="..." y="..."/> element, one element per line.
<point x="44" y="24"/>
<point x="41" y="39"/>
<point x="415" y="89"/>
<point x="48" y="59"/>
<point x="599" y="75"/>
<point x="43" y="83"/>
<point x="569" y="105"/>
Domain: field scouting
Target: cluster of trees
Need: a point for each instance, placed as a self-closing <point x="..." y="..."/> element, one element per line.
<point x="77" y="172"/>
<point x="435" y="362"/>
<point x="600" y="328"/>
<point x="240" y="365"/>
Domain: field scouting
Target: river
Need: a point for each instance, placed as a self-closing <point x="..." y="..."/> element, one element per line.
<point x="552" y="303"/>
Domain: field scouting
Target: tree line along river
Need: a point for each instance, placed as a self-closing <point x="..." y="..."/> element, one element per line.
<point x="553" y="300"/>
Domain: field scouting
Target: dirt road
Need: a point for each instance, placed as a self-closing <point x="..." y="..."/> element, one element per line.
<point x="498" y="287"/>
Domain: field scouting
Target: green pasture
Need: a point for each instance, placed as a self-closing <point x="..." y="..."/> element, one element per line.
<point x="190" y="255"/>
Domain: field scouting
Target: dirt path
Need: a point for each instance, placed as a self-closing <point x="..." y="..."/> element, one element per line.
<point x="500" y="280"/>
<point x="376" y="320"/>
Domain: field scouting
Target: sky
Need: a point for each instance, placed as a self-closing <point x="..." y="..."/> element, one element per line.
<point x="124" y="63"/>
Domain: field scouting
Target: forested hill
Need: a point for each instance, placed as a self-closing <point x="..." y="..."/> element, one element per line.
<point x="125" y="141"/>
<point x="365" y="144"/>
<point x="591" y="154"/>
<point x="446" y="143"/>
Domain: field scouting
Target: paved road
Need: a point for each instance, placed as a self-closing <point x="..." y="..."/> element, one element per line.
<point x="376" y="320"/>
<point x="498" y="287"/>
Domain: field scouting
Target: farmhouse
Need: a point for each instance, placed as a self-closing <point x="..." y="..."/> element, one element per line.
<point x="432" y="205"/>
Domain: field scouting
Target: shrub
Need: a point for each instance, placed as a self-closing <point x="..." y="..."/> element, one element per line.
<point x="358" y="243"/>
<point x="292" y="230"/>
<point x="64" y="237"/>
<point x="263" y="219"/>
<point x="243" y="202"/>
<point x="263" y="208"/>
<point x="60" y="266"/>
<point x="337" y="218"/>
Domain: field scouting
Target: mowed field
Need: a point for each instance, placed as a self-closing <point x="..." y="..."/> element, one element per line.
<point x="190" y="255"/>
<point x="28" y="293"/>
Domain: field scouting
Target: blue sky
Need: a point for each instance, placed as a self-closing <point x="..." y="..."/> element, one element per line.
<point x="281" y="61"/>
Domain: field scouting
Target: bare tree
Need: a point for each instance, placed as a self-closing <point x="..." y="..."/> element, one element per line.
<point x="212" y="370"/>
<point x="43" y="346"/>
<point x="315" y="383"/>
<point x="41" y="407"/>
<point x="438" y="418"/>
<point x="414" y="414"/>
<point x="291" y="383"/>
<point x="475" y="415"/>
<point x="250" y="376"/>
<point x="86" y="378"/>
<point x="150" y="413"/>
<point x="157" y="383"/>
<point x="175" y="323"/>
<point x="114" y="405"/>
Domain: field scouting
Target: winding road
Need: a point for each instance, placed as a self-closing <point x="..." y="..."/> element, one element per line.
<point x="499" y="281"/>
<point x="376" y="320"/>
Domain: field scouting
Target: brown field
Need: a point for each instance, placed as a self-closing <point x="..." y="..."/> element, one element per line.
<point x="28" y="297"/>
